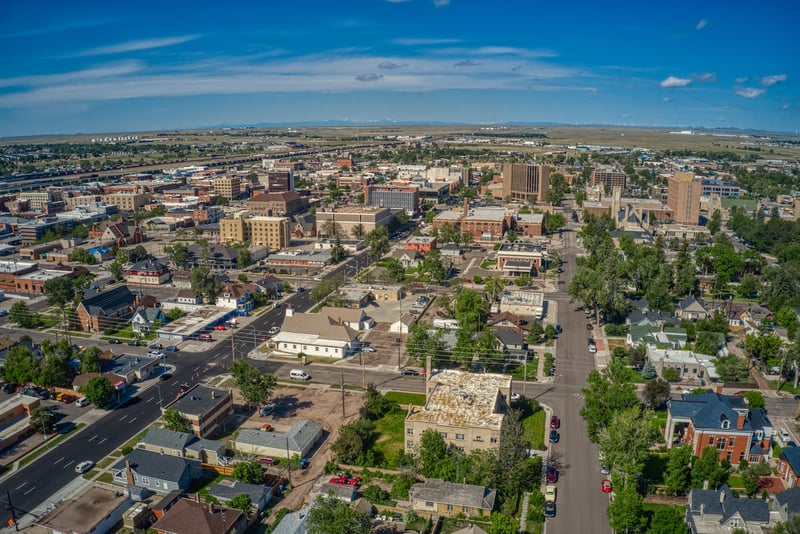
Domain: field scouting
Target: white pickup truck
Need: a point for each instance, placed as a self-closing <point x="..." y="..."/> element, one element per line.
<point x="549" y="493"/>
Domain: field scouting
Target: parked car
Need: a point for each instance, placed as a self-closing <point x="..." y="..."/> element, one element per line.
<point x="3" y="313"/>
<point x="8" y="387"/>
<point x="266" y="427"/>
<point x="555" y="422"/>
<point x="205" y="337"/>
<point x="267" y="460"/>
<point x="219" y="327"/>
<point x="274" y="330"/>
<point x="515" y="396"/>
<point x="605" y="485"/>
<point x="84" y="466"/>
<point x="554" y="436"/>
<point x="171" y="348"/>
<point x="558" y="329"/>
<point x="550" y="509"/>
<point x="156" y="346"/>
<point x="165" y="376"/>
<point x="266" y="410"/>
<point x="410" y="372"/>
<point x="604" y="470"/>
<point x="369" y="349"/>
<point x="552" y="475"/>
<point x="115" y="341"/>
<point x="300" y="289"/>
<point x="133" y="343"/>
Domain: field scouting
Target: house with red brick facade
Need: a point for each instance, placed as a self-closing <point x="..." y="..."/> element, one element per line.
<point x="726" y="422"/>
<point x="421" y="244"/>
<point x="789" y="465"/>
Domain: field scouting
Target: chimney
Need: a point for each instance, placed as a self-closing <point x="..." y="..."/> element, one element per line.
<point x="721" y="497"/>
<point x="213" y="394"/>
<point x="719" y="389"/>
<point x="740" y="419"/>
<point x="197" y="497"/>
<point x="128" y="473"/>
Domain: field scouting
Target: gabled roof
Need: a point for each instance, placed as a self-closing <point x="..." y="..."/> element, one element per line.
<point x="188" y="516"/>
<point x="792" y="456"/>
<point x="148" y="314"/>
<point x="350" y="315"/>
<point x="301" y="436"/>
<point x="509" y="337"/>
<point x="108" y="301"/>
<point x="789" y="498"/>
<point x="148" y="264"/>
<point x="163" y="437"/>
<point x="155" y="465"/>
<point x="709" y="410"/>
<point x="691" y="303"/>
<point x="512" y="318"/>
<point x="228" y="489"/>
<point x="440" y="491"/>
<point x="318" y="326"/>
<point x="723" y="503"/>
<point x="651" y="317"/>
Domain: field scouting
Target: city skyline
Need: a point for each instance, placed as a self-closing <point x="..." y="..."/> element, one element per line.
<point x="101" y="67"/>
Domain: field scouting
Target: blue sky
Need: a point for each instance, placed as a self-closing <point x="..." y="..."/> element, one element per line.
<point x="109" y="66"/>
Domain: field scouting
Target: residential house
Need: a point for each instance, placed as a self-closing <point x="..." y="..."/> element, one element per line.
<point x="99" y="311"/>
<point x="146" y="319"/>
<point x="356" y="319"/>
<point x="642" y="315"/>
<point x="439" y="497"/>
<point x="293" y="523"/>
<point x="714" y="511"/>
<point x="204" y="408"/>
<point x="692" y="367"/>
<point x="789" y="465"/>
<point x="786" y="504"/>
<point x="505" y="320"/>
<point x="131" y="367"/>
<point x="690" y="308"/>
<point x="315" y="335"/>
<point x="511" y="343"/>
<point x="187" y="296"/>
<point x="466" y="409"/>
<point x="725" y="422"/>
<point x="421" y="244"/>
<point x="148" y="272"/>
<point x="659" y="337"/>
<point x="299" y="440"/>
<point x="410" y="259"/>
<point x="227" y="489"/>
<point x="183" y="444"/>
<point x="236" y="296"/>
<point x="160" y="473"/>
<point x="193" y="517"/>
<point x="270" y="285"/>
<point x="213" y="256"/>
<point x="342" y="492"/>
<point x="305" y="226"/>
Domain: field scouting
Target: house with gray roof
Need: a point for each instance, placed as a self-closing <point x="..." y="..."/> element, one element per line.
<point x="659" y="337"/>
<point x="340" y="491"/>
<point x="449" y="499"/>
<point x="183" y="444"/>
<point x="146" y="319"/>
<point x="789" y="465"/>
<point x="715" y="511"/>
<point x="511" y="343"/>
<point x="786" y="504"/>
<point x="160" y="473"/>
<point x="134" y="368"/>
<point x="690" y="308"/>
<point x="301" y="438"/>
<point x="293" y="523"/>
<point x="227" y="489"/>
<point x="726" y="422"/>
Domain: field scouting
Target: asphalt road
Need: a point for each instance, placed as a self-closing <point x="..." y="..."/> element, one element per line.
<point x="580" y="506"/>
<point x="30" y="488"/>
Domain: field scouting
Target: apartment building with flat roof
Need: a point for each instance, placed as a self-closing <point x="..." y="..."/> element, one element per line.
<point x="228" y="187"/>
<point x="526" y="182"/>
<point x="128" y="201"/>
<point x="350" y="217"/>
<point x="683" y="197"/>
<point x="272" y="232"/>
<point x="609" y="178"/>
<point x="401" y="197"/>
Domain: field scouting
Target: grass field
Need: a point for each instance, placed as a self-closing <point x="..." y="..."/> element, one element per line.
<point x="389" y="428"/>
<point x="534" y="429"/>
<point x="417" y="399"/>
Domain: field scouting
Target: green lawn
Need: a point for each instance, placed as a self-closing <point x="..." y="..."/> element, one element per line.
<point x="389" y="429"/>
<point x="417" y="399"/>
<point x="534" y="429"/>
<point x="735" y="482"/>
<point x="654" y="468"/>
<point x="533" y="366"/>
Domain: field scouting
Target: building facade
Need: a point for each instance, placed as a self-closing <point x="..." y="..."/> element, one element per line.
<point x="228" y="187"/>
<point x="279" y="180"/>
<point x="393" y="196"/>
<point x="609" y="178"/>
<point x="526" y="182"/>
<point x="128" y="201"/>
<point x="277" y="204"/>
<point x="272" y="232"/>
<point x="204" y="408"/>
<point x="149" y="272"/>
<point x="350" y="217"/>
<point x="683" y="197"/>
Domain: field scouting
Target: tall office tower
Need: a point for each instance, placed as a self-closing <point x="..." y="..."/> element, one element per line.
<point x="526" y="182"/>
<point x="683" y="197"/>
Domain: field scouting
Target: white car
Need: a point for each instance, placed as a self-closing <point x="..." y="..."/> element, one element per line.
<point x="84" y="466"/>
<point x="515" y="396"/>
<point x="274" y="330"/>
<point x="369" y="349"/>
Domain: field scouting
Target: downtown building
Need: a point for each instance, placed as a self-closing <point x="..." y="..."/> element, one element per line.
<point x="397" y="197"/>
<point x="272" y="232"/>
<point x="683" y="197"/>
<point x="526" y="182"/>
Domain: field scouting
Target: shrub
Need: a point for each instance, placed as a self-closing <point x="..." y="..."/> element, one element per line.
<point x="126" y="450"/>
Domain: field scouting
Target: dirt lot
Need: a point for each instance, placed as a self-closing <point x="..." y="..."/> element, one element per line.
<point x="322" y="405"/>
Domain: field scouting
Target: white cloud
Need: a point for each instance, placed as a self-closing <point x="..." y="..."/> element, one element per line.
<point x="674" y="81"/>
<point x="133" y="46"/>
<point x="769" y="81"/>
<point x="707" y="77"/>
<point x="441" y="3"/>
<point x="785" y="107"/>
<point x="702" y="24"/>
<point x="666" y="99"/>
<point x="749" y="92"/>
<point x="423" y="41"/>
<point x="104" y="71"/>
<point x="741" y="80"/>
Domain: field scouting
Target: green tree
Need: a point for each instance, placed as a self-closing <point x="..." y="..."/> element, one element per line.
<point x="714" y="224"/>
<point x="470" y="311"/>
<point x="667" y="521"/>
<point x="54" y="369"/>
<point x="656" y="392"/>
<point x="683" y="272"/>
<point x="755" y="399"/>
<point x="706" y="343"/>
<point x="358" y="231"/>
<point x="503" y="524"/>
<point x="432" y="267"/>
<point x="20" y="314"/>
<point x="42" y="420"/>
<point x="116" y="269"/>
<point x="21" y="365"/>
<point x="243" y="258"/>
<point x="626" y="511"/>
<point x="174" y="421"/>
<point x="708" y="467"/>
<point x="205" y="283"/>
<point x="249" y="472"/>
<point x="349" y="446"/>
<point x="178" y="254"/>
<point x="138" y="254"/>
<point x="536" y="332"/>
<point x="331" y="515"/>
<point x="676" y="475"/>
<point x="550" y="332"/>
<point x="174" y="314"/>
<point x="432" y="451"/>
<point x="493" y="287"/>
<point x="395" y="269"/>
<point x="558" y="188"/>
<point x="608" y="392"/>
<point x="60" y="293"/>
<point x="378" y="241"/>
<point x="254" y="386"/>
<point x="648" y="371"/>
<point x="514" y="472"/>
<point x="90" y="360"/>
<point x="99" y="391"/>
<point x="792" y="526"/>
<point x="626" y="441"/>
<point x="731" y="368"/>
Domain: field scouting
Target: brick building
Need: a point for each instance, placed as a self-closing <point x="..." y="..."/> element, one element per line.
<point x="277" y="204"/>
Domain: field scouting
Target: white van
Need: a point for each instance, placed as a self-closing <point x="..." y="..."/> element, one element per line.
<point x="83" y="401"/>
<point x="299" y="374"/>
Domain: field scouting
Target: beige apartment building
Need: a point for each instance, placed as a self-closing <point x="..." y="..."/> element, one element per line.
<point x="467" y="409"/>
<point x="83" y="200"/>
<point x="128" y="201"/>
<point x="272" y="232"/>
<point x="526" y="182"/>
<point x="683" y="197"/>
<point x="37" y="199"/>
<point x="350" y="217"/>
<point x="228" y="187"/>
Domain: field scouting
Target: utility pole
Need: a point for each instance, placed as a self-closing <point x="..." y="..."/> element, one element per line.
<point x="525" y="375"/>
<point x="233" y="347"/>
<point x="288" y="461"/>
<point x="13" y="511"/>
<point x="343" y="394"/>
<point x="363" y="370"/>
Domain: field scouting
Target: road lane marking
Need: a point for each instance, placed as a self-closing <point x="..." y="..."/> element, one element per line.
<point x="56" y="462"/>
<point x="123" y="417"/>
<point x="69" y="463"/>
<point x="101" y="441"/>
<point x="30" y="490"/>
<point x="132" y="420"/>
<point x="93" y="438"/>
<point x="21" y="485"/>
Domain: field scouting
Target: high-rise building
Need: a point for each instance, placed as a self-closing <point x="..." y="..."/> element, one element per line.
<point x="393" y="197"/>
<point x="278" y="180"/>
<point x="228" y="187"/>
<point x="526" y="182"/>
<point x="683" y="197"/>
<point x="270" y="231"/>
<point x="609" y="178"/>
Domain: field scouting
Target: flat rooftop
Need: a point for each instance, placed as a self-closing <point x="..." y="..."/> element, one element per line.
<point x="197" y="320"/>
<point x="45" y="275"/>
<point x="486" y="214"/>
<point x="462" y="399"/>
<point x="521" y="248"/>
<point x="530" y="298"/>
<point x="82" y="514"/>
<point x="13" y="267"/>
<point x="198" y="401"/>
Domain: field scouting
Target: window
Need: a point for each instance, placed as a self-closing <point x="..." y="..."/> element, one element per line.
<point x="459" y="437"/>
<point x="731" y="441"/>
<point x="726" y="424"/>
<point x="449" y="507"/>
<point x="492" y="440"/>
<point x="443" y="434"/>
<point x="721" y="444"/>
<point x="710" y="440"/>
<point x="464" y="509"/>
<point x="429" y="504"/>
<point x="145" y="481"/>
<point x="410" y="443"/>
<point x="410" y="431"/>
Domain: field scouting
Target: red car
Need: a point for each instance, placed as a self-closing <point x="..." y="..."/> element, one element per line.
<point x="555" y="422"/>
<point x="606" y="486"/>
<point x="267" y="460"/>
<point x="346" y="480"/>
<point x="552" y="475"/>
<point x="219" y="327"/>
